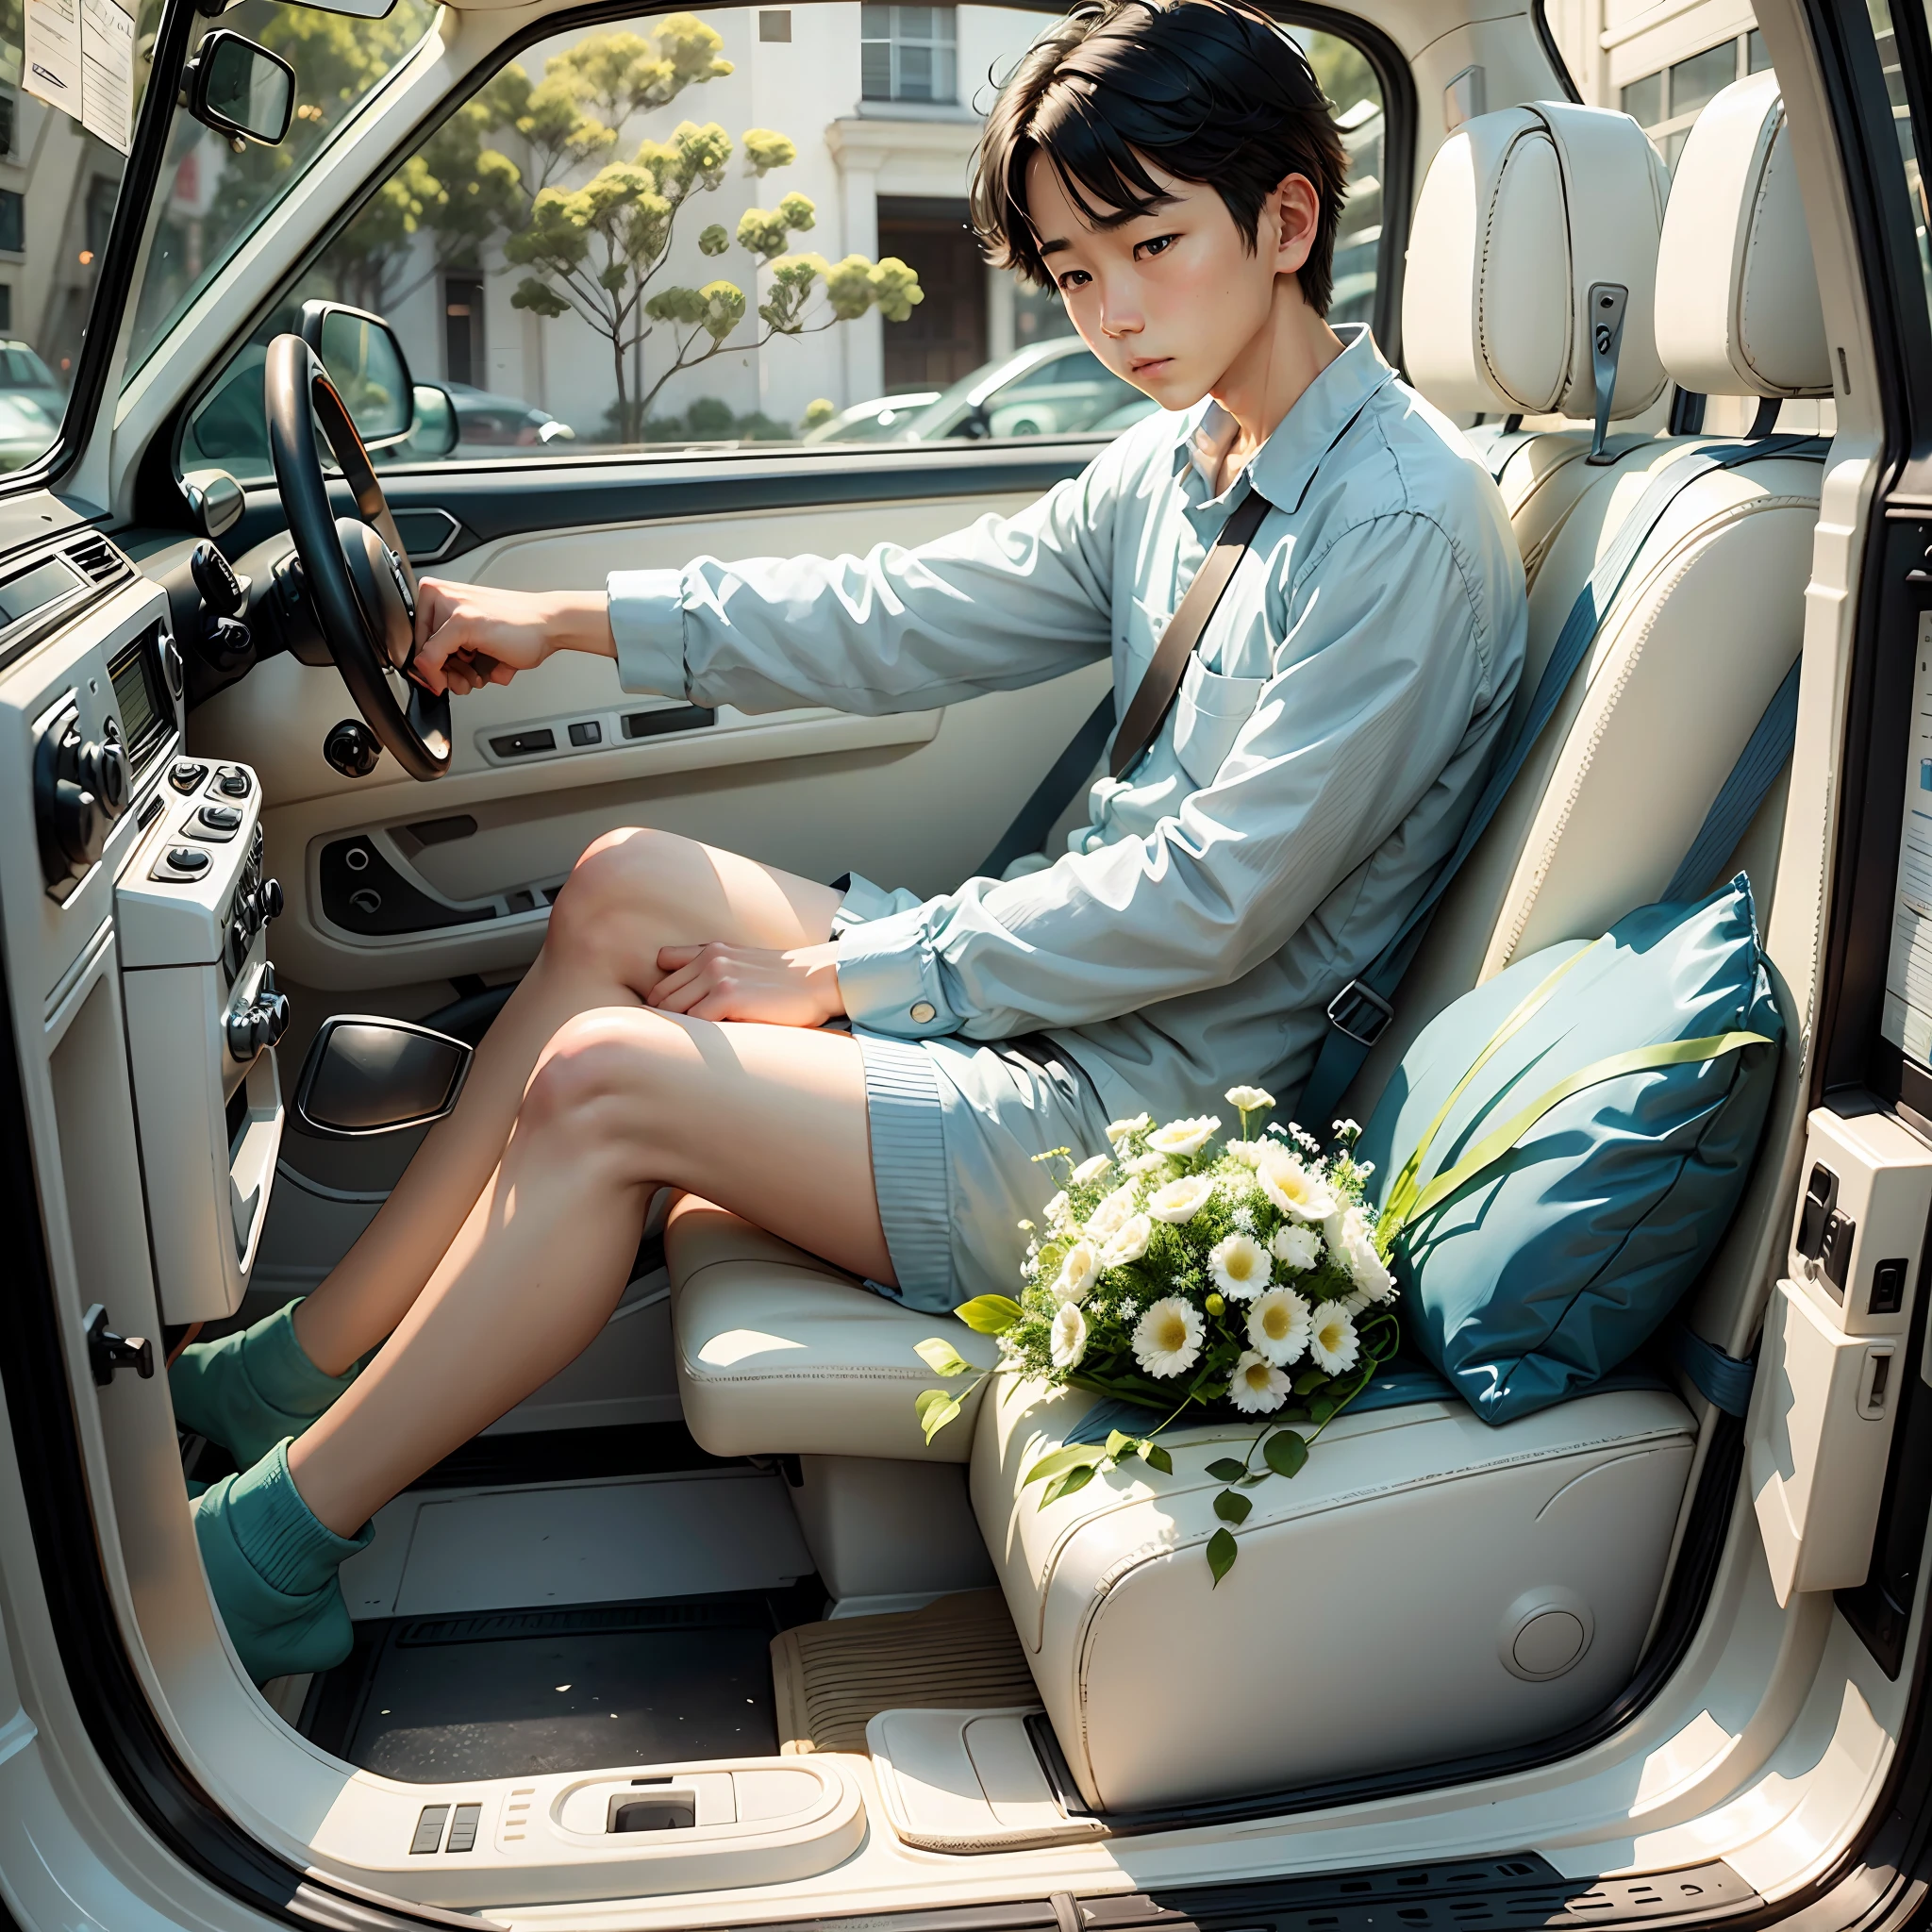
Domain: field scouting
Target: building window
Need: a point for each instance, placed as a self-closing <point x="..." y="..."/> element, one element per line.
<point x="908" y="53"/>
<point x="775" y="25"/>
<point x="462" y="329"/>
<point x="1666" y="104"/>
<point x="9" y="109"/>
<point x="12" y="221"/>
<point x="6" y="309"/>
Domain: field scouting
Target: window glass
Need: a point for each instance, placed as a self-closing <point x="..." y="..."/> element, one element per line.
<point x="60" y="184"/>
<point x="1666" y="104"/>
<point x="1887" y="38"/>
<point x="214" y="197"/>
<point x="1643" y="100"/>
<point x="634" y="237"/>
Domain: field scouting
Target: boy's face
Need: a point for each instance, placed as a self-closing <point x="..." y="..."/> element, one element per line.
<point x="1170" y="300"/>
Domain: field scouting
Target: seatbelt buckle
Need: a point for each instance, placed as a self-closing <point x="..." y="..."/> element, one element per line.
<point x="1361" y="1012"/>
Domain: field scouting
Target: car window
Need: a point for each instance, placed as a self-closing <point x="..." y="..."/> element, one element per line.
<point x="633" y="238"/>
<point x="59" y="186"/>
<point x="213" y="197"/>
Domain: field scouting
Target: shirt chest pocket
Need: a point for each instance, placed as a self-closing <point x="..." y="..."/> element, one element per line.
<point x="1208" y="718"/>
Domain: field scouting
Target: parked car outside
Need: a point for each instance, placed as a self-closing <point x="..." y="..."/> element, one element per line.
<point x="27" y="429"/>
<point x="486" y="420"/>
<point x="877" y="421"/>
<point x="22" y="373"/>
<point x="1055" y="388"/>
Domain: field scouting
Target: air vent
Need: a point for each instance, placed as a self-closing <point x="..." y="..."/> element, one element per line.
<point x="97" y="559"/>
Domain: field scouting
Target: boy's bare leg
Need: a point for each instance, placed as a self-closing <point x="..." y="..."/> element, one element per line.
<point x="631" y="893"/>
<point x="769" y="1122"/>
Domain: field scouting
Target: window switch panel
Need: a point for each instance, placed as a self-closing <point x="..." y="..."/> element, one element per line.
<point x="462" y="1829"/>
<point x="429" y="1825"/>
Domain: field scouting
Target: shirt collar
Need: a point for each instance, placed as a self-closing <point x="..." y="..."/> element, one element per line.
<point x="1285" y="465"/>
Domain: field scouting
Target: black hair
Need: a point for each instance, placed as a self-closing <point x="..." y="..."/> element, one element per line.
<point x="1209" y="91"/>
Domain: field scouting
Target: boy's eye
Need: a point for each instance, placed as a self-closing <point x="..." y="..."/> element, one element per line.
<point x="1075" y="278"/>
<point x="1158" y="244"/>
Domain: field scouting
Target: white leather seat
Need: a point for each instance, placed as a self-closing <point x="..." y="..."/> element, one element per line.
<point x="1524" y="211"/>
<point x="779" y="1354"/>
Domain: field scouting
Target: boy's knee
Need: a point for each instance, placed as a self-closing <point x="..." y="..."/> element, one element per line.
<point x="595" y="1084"/>
<point x="623" y="876"/>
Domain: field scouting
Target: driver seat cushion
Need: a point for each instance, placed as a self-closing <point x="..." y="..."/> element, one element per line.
<point x="780" y="1353"/>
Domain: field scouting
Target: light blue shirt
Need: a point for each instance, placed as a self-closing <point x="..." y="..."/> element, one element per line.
<point x="1333" y="728"/>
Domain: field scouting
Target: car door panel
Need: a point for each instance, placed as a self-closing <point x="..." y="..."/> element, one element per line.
<point x="461" y="868"/>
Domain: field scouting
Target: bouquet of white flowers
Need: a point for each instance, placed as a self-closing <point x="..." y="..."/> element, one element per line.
<point x="1185" y="1276"/>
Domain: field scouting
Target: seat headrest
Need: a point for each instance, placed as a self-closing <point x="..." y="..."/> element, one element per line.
<point x="1523" y="211"/>
<point x="1737" y="311"/>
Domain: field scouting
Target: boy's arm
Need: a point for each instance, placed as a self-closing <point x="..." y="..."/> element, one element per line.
<point x="1389" y="660"/>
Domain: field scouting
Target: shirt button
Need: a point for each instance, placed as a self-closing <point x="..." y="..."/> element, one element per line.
<point x="923" y="1011"/>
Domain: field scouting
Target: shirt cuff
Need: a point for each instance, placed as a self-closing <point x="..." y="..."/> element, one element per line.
<point x="889" y="978"/>
<point x="647" y="621"/>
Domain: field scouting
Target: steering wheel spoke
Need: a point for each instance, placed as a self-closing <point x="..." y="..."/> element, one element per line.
<point x="359" y="572"/>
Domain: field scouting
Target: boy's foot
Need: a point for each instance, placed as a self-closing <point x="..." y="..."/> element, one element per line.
<point x="272" y="1567"/>
<point x="250" y="1390"/>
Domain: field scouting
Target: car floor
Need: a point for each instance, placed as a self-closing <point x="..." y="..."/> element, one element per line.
<point x="560" y="1602"/>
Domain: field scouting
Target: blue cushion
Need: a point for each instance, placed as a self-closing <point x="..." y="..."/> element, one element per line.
<point x="1540" y="1272"/>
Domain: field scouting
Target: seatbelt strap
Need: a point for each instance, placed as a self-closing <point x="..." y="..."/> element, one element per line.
<point x="1053" y="795"/>
<point x="1765" y="755"/>
<point x="1361" y="1012"/>
<point x="1158" y="684"/>
<point x="1162" y="677"/>
<point x="1721" y="1378"/>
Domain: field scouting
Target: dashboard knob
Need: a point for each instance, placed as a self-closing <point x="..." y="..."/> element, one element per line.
<point x="351" y="748"/>
<point x="271" y="900"/>
<point x="214" y="576"/>
<point x="241" y="1026"/>
<point x="104" y="772"/>
<point x="68" y="810"/>
<point x="274" y="1009"/>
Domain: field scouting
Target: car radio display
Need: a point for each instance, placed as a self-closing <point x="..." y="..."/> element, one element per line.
<point x="143" y="719"/>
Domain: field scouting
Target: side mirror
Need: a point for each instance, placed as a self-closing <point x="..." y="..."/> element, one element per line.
<point x="434" y="432"/>
<point x="239" y="89"/>
<point x="366" y="363"/>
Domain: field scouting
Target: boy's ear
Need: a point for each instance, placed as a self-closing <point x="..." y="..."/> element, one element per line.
<point x="1297" y="210"/>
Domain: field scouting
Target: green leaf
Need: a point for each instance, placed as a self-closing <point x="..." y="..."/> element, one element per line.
<point x="1222" y="1550"/>
<point x="1066" y="1483"/>
<point x="1157" y="1458"/>
<point x="1074" y="1456"/>
<point x="1119" y="1445"/>
<point x="1309" y="1378"/>
<point x="989" y="1314"/>
<point x="941" y="1356"/>
<point x="1323" y="1406"/>
<point x="1232" y="1507"/>
<point x="935" y="1408"/>
<point x="1285" y="1452"/>
<point x="1227" y="1470"/>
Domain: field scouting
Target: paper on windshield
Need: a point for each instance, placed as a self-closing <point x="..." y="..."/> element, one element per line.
<point x="79" y="56"/>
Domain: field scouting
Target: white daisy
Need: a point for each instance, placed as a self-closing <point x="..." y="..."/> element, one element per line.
<point x="1069" y="1336"/>
<point x="1078" y="1266"/>
<point x="1332" y="1339"/>
<point x="1092" y="1169"/>
<point x="1167" y="1339"/>
<point x="1296" y="1247"/>
<point x="1150" y="1163"/>
<point x="1278" y="1325"/>
<point x="1257" y="1385"/>
<point x="1130" y="1241"/>
<point x="1293" y="1188"/>
<point x="1060" y="1210"/>
<point x="1248" y="1099"/>
<point x="1365" y="1266"/>
<point x="1113" y="1210"/>
<point x="1181" y="1200"/>
<point x="1183" y="1136"/>
<point x="1354" y="1303"/>
<point x="1118" y="1131"/>
<point x="1248" y="1152"/>
<point x="1239" y="1265"/>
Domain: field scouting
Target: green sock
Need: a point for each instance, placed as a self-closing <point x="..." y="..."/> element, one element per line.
<point x="250" y="1390"/>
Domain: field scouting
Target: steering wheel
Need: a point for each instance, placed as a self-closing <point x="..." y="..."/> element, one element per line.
<point x="356" y="567"/>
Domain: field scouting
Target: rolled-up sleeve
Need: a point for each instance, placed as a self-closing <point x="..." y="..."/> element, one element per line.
<point x="1381" y="664"/>
<point x="1010" y="601"/>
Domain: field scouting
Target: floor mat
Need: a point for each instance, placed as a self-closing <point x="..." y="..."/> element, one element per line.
<point x="831" y="1679"/>
<point x="506" y="1694"/>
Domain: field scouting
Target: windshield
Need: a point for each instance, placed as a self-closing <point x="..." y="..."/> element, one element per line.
<point x="59" y="185"/>
<point x="213" y="198"/>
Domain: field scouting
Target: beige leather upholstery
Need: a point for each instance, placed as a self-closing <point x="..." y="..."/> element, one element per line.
<point x="1397" y="1601"/>
<point x="779" y="1354"/>
<point x="1522" y="212"/>
<point x="1739" y="314"/>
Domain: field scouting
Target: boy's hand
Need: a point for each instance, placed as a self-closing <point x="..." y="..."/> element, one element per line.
<point x="470" y="635"/>
<point x="796" y="988"/>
